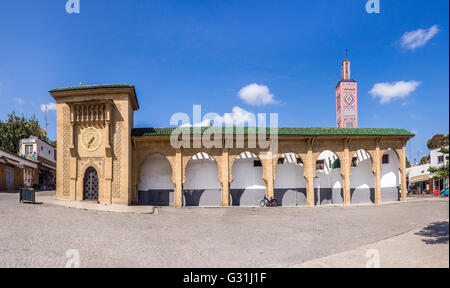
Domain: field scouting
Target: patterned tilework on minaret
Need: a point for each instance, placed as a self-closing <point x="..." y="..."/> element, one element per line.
<point x="346" y="99"/>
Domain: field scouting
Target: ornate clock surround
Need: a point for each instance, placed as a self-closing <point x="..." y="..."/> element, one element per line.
<point x="91" y="139"/>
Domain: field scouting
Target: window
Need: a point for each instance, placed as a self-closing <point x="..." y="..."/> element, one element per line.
<point x="354" y="161"/>
<point x="299" y="161"/>
<point x="385" y="159"/>
<point x="281" y="160"/>
<point x="27" y="177"/>
<point x="441" y="159"/>
<point x="28" y="149"/>
<point x="320" y="165"/>
<point x="257" y="163"/>
<point x="54" y="154"/>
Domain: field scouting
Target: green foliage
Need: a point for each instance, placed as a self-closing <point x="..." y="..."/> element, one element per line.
<point x="425" y="159"/>
<point x="438" y="140"/>
<point x="16" y="128"/>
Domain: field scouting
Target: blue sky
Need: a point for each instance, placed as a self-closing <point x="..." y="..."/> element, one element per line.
<point x="181" y="53"/>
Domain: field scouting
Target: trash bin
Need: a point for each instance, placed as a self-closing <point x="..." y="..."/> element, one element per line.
<point x="27" y="195"/>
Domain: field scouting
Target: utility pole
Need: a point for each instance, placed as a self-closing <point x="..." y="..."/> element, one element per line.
<point x="410" y="148"/>
<point x="46" y="119"/>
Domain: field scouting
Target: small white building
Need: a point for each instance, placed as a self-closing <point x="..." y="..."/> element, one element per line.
<point x="420" y="179"/>
<point x="438" y="159"/>
<point x="34" y="148"/>
<point x="37" y="150"/>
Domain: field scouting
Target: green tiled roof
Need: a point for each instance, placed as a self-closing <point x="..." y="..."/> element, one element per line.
<point x="165" y="131"/>
<point x="87" y="87"/>
<point x="135" y="102"/>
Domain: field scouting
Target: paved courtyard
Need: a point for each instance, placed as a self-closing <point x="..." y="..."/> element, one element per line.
<point x="40" y="235"/>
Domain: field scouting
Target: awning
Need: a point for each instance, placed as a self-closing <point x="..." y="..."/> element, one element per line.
<point x="420" y="178"/>
<point x="13" y="163"/>
<point x="45" y="165"/>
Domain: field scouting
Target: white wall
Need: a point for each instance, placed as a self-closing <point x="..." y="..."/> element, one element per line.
<point x="390" y="173"/>
<point x="418" y="170"/>
<point x="202" y="173"/>
<point x="362" y="176"/>
<point x="328" y="183"/>
<point x="328" y="178"/>
<point x="434" y="157"/>
<point x="245" y="175"/>
<point x="46" y="151"/>
<point x="156" y="174"/>
<point x="290" y="174"/>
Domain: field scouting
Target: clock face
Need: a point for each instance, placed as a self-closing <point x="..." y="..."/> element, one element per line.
<point x="91" y="139"/>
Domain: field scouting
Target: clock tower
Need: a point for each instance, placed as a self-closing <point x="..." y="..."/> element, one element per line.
<point x="94" y="125"/>
<point x="346" y="99"/>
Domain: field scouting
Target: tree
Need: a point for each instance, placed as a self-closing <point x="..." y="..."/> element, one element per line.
<point x="425" y="159"/>
<point x="17" y="128"/>
<point x="438" y="140"/>
<point x="408" y="164"/>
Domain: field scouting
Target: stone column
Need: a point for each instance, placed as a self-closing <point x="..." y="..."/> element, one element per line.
<point x="178" y="193"/>
<point x="310" y="200"/>
<point x="73" y="157"/>
<point x="309" y="168"/>
<point x="268" y="174"/>
<point x="376" y="169"/>
<point x="73" y="179"/>
<point x="403" y="172"/>
<point x="345" y="171"/>
<point x="107" y="197"/>
<point x="225" y="181"/>
<point x="107" y="190"/>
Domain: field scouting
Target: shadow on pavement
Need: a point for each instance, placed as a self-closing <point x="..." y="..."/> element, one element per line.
<point x="435" y="233"/>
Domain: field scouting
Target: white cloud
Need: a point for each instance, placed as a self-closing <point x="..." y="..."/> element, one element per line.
<point x="255" y="94"/>
<point x="18" y="100"/>
<point x="390" y="91"/>
<point x="50" y="106"/>
<point x="204" y="123"/>
<point x="238" y="117"/>
<point x="417" y="38"/>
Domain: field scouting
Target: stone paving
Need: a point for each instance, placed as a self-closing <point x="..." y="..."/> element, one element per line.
<point x="421" y="248"/>
<point x="42" y="235"/>
<point x="50" y="198"/>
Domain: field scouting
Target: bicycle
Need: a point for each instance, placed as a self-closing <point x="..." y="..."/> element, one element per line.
<point x="266" y="202"/>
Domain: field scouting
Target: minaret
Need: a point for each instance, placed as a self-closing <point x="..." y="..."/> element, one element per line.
<point x="346" y="98"/>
